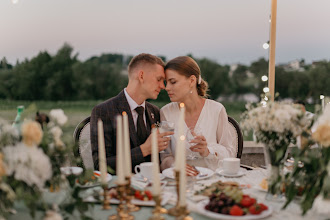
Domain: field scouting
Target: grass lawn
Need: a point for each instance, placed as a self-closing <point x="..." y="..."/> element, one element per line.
<point x="78" y="110"/>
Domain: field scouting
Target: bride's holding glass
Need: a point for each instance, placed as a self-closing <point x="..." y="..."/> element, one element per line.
<point x="206" y="121"/>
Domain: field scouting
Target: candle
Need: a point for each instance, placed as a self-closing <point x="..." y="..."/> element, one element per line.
<point x="127" y="148"/>
<point x="180" y="158"/>
<point x="180" y="143"/>
<point x="155" y="161"/>
<point x="120" y="153"/>
<point x="102" y="160"/>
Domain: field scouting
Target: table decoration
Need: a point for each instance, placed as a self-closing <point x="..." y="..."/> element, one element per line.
<point x="310" y="176"/>
<point x="276" y="125"/>
<point x="122" y="213"/>
<point x="33" y="161"/>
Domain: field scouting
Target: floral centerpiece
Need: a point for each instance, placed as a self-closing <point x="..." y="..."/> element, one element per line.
<point x="276" y="125"/>
<point x="30" y="162"/>
<point x="310" y="176"/>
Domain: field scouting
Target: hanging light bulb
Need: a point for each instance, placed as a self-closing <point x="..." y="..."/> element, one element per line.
<point x="265" y="46"/>
<point x="14" y="1"/>
<point x="264" y="78"/>
<point x="266" y="89"/>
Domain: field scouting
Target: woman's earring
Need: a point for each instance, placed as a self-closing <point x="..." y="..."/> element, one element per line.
<point x="190" y="91"/>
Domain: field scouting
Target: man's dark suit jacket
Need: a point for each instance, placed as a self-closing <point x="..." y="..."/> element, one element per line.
<point x="107" y="112"/>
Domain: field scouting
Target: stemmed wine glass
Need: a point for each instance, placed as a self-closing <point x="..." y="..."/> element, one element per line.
<point x="191" y="134"/>
<point x="165" y="126"/>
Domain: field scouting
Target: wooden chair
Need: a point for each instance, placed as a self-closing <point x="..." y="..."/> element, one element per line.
<point x="237" y="135"/>
<point x="81" y="136"/>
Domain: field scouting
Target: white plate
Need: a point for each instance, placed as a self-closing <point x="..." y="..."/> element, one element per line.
<point x="71" y="170"/>
<point x="204" y="173"/>
<point x="240" y="173"/>
<point x="139" y="177"/>
<point x="201" y="208"/>
<point x="96" y="173"/>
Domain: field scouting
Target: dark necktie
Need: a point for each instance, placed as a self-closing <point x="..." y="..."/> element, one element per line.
<point x="141" y="127"/>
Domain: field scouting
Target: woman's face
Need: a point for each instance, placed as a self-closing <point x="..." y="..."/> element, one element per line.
<point x="178" y="87"/>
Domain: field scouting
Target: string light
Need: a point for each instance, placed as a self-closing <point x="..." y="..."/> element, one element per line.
<point x="266" y="89"/>
<point x="264" y="78"/>
<point x="14" y="1"/>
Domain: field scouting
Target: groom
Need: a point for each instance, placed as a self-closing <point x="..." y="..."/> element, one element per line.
<point x="145" y="80"/>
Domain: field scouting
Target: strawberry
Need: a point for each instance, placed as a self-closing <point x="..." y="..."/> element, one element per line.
<point x="247" y="202"/>
<point x="149" y="195"/>
<point x="263" y="206"/>
<point x="236" y="211"/>
<point x="255" y="209"/>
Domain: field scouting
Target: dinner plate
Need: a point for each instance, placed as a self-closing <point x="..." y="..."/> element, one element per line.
<point x="204" y="173"/>
<point x="71" y="170"/>
<point x="90" y="184"/>
<point x="241" y="172"/>
<point x="201" y="208"/>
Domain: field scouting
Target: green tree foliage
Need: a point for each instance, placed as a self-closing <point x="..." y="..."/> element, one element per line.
<point x="63" y="77"/>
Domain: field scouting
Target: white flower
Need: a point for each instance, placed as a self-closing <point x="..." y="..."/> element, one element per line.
<point x="29" y="164"/>
<point x="57" y="132"/>
<point x="58" y="116"/>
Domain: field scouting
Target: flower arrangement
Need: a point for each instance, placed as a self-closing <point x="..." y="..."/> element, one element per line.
<point x="276" y="125"/>
<point x="30" y="163"/>
<point x="310" y="176"/>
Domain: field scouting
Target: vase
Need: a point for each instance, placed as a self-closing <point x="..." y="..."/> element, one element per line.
<point x="274" y="158"/>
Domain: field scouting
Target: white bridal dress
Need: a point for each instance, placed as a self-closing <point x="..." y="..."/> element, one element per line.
<point x="213" y="123"/>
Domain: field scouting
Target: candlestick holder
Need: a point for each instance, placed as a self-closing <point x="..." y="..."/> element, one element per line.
<point x="129" y="196"/>
<point x="158" y="210"/>
<point x="106" y="197"/>
<point x="183" y="214"/>
<point x="122" y="213"/>
<point x="175" y="210"/>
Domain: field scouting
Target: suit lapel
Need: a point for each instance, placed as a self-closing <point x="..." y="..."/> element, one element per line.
<point x="124" y="106"/>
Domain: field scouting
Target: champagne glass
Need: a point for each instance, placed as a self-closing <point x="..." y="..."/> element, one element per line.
<point x="165" y="126"/>
<point x="191" y="134"/>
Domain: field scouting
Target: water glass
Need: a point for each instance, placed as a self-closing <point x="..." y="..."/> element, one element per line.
<point x="165" y="126"/>
<point x="191" y="133"/>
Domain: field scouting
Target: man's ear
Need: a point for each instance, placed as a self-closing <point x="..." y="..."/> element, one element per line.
<point x="141" y="76"/>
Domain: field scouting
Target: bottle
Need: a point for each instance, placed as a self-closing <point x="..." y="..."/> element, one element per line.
<point x="18" y="121"/>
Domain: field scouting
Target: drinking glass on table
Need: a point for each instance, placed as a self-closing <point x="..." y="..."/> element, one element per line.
<point x="191" y="134"/>
<point x="165" y="126"/>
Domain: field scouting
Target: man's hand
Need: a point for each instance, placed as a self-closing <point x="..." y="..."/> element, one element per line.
<point x="163" y="142"/>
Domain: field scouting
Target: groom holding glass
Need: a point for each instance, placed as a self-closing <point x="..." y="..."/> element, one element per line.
<point x="146" y="79"/>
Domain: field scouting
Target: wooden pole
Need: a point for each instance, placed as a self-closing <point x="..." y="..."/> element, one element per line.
<point x="272" y="46"/>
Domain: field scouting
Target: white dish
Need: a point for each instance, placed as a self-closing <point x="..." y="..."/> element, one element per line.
<point x="139" y="177"/>
<point x="201" y="207"/>
<point x="96" y="173"/>
<point x="240" y="173"/>
<point x="71" y="171"/>
<point x="204" y="173"/>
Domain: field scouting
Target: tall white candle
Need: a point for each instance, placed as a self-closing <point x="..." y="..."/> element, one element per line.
<point x="182" y="164"/>
<point x="180" y="144"/>
<point x="127" y="148"/>
<point x="155" y="161"/>
<point x="120" y="153"/>
<point x="102" y="158"/>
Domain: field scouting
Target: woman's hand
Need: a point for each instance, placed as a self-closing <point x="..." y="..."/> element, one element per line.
<point x="200" y="145"/>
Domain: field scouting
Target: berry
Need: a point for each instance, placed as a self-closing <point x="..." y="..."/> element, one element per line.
<point x="236" y="211"/>
<point x="255" y="209"/>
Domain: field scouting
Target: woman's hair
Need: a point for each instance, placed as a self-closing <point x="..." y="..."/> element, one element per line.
<point x="187" y="66"/>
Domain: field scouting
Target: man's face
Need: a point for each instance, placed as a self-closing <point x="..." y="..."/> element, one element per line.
<point x="153" y="80"/>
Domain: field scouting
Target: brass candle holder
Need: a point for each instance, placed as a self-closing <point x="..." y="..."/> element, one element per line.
<point x="129" y="196"/>
<point x="106" y="196"/>
<point x="183" y="214"/>
<point x="158" y="210"/>
<point x="175" y="211"/>
<point x="122" y="213"/>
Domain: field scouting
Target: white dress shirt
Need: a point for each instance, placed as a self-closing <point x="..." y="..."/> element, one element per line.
<point x="132" y="104"/>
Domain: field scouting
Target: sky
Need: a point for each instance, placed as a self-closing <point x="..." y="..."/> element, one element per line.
<point x="226" y="31"/>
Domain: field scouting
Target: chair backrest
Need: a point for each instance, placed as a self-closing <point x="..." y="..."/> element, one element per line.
<point x="237" y="136"/>
<point x="82" y="138"/>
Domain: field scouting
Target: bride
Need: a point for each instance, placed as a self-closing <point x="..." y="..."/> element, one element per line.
<point x="206" y="120"/>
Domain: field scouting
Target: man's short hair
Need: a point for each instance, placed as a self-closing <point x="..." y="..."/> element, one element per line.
<point x="144" y="58"/>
